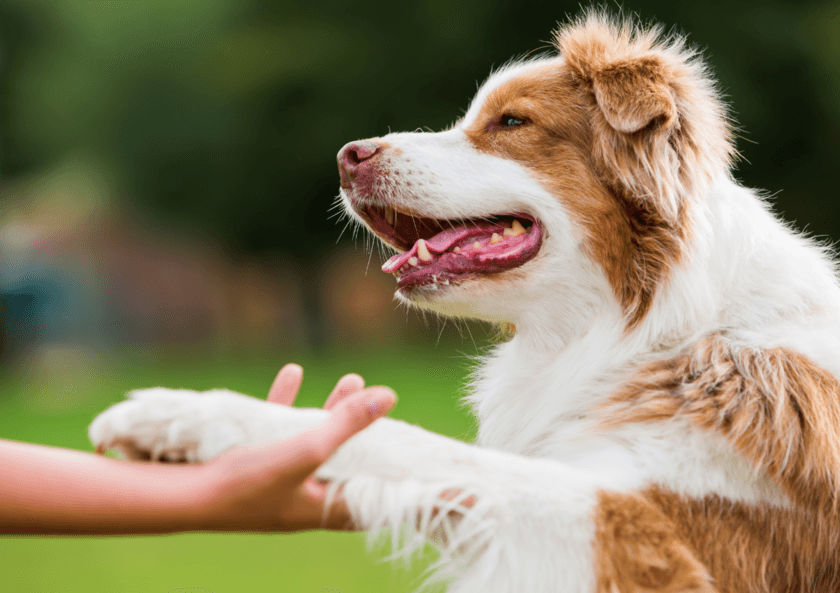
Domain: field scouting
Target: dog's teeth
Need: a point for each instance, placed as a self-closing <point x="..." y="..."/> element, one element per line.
<point x="515" y="229"/>
<point x="412" y="261"/>
<point x="495" y="238"/>
<point x="423" y="251"/>
<point x="389" y="215"/>
<point x="476" y="245"/>
<point x="457" y="249"/>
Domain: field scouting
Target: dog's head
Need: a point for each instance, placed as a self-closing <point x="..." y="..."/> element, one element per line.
<point x="570" y="180"/>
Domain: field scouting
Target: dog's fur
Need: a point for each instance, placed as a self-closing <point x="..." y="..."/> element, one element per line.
<point x="666" y="416"/>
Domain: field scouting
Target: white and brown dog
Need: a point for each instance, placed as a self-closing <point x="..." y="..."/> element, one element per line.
<point x="666" y="416"/>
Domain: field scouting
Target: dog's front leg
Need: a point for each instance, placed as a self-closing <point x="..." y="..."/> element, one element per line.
<point x="490" y="512"/>
<point x="503" y="522"/>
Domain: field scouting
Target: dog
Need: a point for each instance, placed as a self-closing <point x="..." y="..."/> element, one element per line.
<point x="664" y="415"/>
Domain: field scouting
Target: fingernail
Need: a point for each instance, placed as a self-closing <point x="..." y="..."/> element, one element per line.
<point x="381" y="400"/>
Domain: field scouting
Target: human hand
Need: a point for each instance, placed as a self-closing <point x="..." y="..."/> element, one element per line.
<point x="271" y="487"/>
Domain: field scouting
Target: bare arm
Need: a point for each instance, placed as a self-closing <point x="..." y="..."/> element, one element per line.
<point x="49" y="490"/>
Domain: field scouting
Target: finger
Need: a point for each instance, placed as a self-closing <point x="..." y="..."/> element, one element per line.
<point x="286" y="385"/>
<point x="302" y="455"/>
<point x="347" y="385"/>
<point x="354" y="413"/>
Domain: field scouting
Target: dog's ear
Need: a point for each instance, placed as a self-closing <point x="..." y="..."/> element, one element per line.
<point x="634" y="95"/>
<point x="660" y="131"/>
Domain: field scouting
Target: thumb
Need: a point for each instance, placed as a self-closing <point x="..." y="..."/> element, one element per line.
<point x="351" y="415"/>
<point x="356" y="412"/>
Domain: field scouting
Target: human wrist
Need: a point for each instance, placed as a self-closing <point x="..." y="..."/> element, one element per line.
<point x="224" y="497"/>
<point x="182" y="499"/>
<point x="211" y="499"/>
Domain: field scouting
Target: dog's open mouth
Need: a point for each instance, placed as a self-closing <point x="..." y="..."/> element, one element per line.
<point x="440" y="251"/>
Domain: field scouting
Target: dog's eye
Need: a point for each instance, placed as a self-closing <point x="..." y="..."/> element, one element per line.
<point x="506" y="121"/>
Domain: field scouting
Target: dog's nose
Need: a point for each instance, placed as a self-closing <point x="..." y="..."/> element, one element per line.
<point x="351" y="157"/>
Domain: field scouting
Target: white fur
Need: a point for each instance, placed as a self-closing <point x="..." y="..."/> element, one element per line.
<point x="537" y="466"/>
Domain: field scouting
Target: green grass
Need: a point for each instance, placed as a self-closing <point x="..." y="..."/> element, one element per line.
<point x="54" y="406"/>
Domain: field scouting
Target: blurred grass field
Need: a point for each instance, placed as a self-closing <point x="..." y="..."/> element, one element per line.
<point x="54" y="407"/>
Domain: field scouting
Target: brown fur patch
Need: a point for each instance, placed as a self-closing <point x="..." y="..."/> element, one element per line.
<point x="637" y="548"/>
<point x="778" y="409"/>
<point x="782" y="413"/>
<point x="629" y="238"/>
<point x="626" y="130"/>
<point x="634" y="94"/>
<point x="659" y="541"/>
<point x="756" y="549"/>
<point x="661" y="131"/>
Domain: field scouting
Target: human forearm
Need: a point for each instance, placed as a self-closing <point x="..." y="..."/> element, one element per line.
<point x="46" y="490"/>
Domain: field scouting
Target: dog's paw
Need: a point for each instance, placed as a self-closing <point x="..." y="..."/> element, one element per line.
<point x="181" y="425"/>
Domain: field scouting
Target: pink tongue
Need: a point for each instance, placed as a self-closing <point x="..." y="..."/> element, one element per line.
<point x="440" y="243"/>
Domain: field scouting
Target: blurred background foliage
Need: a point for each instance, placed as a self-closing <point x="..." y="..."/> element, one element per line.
<point x="166" y="170"/>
